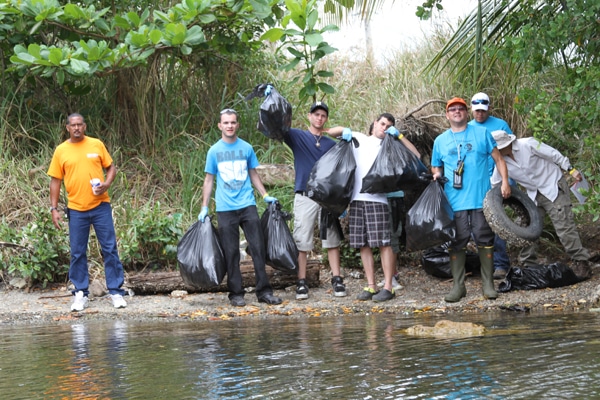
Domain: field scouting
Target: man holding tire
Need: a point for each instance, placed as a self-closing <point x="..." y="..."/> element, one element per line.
<point x="461" y="154"/>
<point x="539" y="169"/>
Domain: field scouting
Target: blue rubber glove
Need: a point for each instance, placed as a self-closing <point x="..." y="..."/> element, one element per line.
<point x="347" y="134"/>
<point x="269" y="199"/>
<point x="392" y="131"/>
<point x="268" y="90"/>
<point x="203" y="214"/>
<point x="343" y="214"/>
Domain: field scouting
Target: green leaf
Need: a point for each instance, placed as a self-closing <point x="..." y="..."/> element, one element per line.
<point x="272" y="35"/>
<point x="325" y="88"/>
<point x="194" y="35"/>
<point x="314" y="39"/>
<point x="134" y="19"/>
<point x="55" y="56"/>
<point x="79" y="67"/>
<point x="155" y="36"/>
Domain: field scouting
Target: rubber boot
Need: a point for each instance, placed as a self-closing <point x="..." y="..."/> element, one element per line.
<point x="486" y="256"/>
<point x="457" y="266"/>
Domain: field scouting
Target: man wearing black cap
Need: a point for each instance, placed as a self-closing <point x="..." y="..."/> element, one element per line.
<point x="309" y="146"/>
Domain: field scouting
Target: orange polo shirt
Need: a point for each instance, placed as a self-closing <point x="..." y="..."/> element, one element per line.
<point x="76" y="164"/>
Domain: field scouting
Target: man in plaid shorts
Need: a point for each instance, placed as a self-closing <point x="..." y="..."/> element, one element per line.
<point x="369" y="213"/>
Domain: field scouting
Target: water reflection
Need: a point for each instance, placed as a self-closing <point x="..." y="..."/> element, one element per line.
<point x="361" y="357"/>
<point x="89" y="370"/>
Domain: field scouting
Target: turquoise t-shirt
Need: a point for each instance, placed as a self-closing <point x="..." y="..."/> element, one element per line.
<point x="230" y="164"/>
<point x="475" y="145"/>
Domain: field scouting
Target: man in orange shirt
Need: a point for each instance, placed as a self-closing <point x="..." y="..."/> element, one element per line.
<point x="80" y="162"/>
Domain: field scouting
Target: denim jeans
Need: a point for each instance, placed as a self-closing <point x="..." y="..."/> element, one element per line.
<point x="229" y="233"/>
<point x="501" y="259"/>
<point x="79" y="233"/>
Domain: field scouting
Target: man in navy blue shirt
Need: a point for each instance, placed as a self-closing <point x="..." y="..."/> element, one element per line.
<point x="308" y="147"/>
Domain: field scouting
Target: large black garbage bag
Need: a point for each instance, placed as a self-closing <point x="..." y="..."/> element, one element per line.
<point x="538" y="277"/>
<point x="395" y="168"/>
<point x="282" y="253"/>
<point x="430" y="221"/>
<point x="436" y="262"/>
<point x="200" y="256"/>
<point x="331" y="179"/>
<point x="275" y="115"/>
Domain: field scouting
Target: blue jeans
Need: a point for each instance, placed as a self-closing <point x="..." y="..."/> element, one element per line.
<point x="501" y="260"/>
<point x="229" y="233"/>
<point x="79" y="233"/>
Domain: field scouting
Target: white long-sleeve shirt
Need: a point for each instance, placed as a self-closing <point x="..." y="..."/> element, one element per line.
<point x="536" y="167"/>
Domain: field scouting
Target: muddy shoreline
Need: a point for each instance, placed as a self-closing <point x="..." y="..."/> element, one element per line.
<point x="422" y="294"/>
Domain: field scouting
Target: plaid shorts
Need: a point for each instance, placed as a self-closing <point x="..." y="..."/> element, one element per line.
<point x="369" y="224"/>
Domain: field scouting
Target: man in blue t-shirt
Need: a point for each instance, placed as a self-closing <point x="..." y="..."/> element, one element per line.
<point x="461" y="155"/>
<point x="480" y="108"/>
<point x="308" y="147"/>
<point x="233" y="162"/>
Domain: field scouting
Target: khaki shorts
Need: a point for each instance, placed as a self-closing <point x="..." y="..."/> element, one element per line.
<point x="306" y="213"/>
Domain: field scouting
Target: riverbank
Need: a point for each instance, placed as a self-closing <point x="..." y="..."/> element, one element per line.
<point x="422" y="294"/>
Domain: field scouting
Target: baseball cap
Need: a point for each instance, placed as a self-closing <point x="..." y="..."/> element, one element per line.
<point x="455" y="100"/>
<point x="321" y="105"/>
<point x="503" y="139"/>
<point x="480" y="101"/>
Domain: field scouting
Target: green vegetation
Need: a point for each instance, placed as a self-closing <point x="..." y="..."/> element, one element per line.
<point x="151" y="80"/>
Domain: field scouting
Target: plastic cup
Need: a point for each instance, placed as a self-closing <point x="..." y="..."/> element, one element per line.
<point x="95" y="183"/>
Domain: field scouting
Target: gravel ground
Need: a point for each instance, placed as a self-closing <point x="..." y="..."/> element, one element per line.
<point x="422" y="293"/>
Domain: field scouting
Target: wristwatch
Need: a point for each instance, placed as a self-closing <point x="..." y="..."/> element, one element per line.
<point x="53" y="208"/>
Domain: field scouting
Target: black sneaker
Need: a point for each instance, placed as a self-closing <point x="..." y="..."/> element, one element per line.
<point x="301" y="290"/>
<point x="270" y="299"/>
<point x="383" y="295"/>
<point x="237" y="301"/>
<point x="339" y="289"/>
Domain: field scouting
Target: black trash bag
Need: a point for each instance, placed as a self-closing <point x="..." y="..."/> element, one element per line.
<point x="329" y="221"/>
<point x="538" y="277"/>
<point x="395" y="168"/>
<point x="436" y="262"/>
<point x="200" y="256"/>
<point x="331" y="180"/>
<point x="282" y="253"/>
<point x="430" y="221"/>
<point x="275" y="115"/>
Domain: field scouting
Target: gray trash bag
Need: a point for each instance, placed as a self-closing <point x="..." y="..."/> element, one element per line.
<point x="200" y="256"/>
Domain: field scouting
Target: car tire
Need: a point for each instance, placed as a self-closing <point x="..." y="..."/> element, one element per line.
<point x="526" y="224"/>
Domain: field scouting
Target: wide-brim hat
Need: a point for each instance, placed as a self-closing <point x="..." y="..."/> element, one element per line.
<point x="503" y="139"/>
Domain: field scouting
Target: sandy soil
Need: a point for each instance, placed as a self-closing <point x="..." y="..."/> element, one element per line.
<point x="422" y="293"/>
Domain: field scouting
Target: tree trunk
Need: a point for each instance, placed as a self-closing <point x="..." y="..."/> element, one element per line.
<point x="166" y="282"/>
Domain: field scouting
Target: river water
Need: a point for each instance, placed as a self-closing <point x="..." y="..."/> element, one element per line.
<point x="521" y="356"/>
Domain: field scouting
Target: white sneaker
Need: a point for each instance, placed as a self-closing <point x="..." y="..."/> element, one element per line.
<point x="395" y="284"/>
<point x="118" y="301"/>
<point x="80" y="301"/>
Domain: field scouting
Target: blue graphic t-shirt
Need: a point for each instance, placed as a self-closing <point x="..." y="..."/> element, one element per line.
<point x="230" y="164"/>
